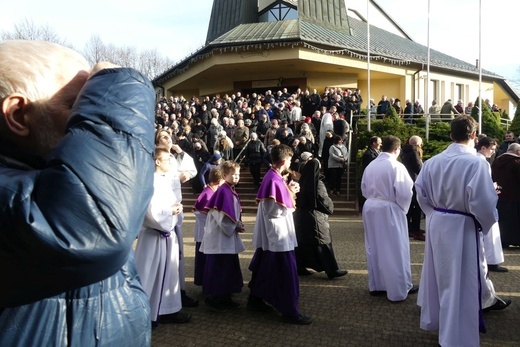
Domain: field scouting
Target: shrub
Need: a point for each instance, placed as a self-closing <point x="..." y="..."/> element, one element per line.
<point x="490" y="121"/>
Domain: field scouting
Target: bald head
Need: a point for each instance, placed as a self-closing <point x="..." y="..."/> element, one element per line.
<point x="39" y="83"/>
<point x="415" y="140"/>
<point x="513" y="148"/>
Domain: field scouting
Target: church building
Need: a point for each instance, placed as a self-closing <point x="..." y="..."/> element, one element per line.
<point x="259" y="45"/>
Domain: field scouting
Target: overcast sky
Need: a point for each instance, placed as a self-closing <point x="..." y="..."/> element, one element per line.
<point x="177" y="28"/>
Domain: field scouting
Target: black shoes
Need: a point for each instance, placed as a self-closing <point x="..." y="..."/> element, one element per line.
<point x="415" y="289"/>
<point x="337" y="273"/>
<point x="304" y="272"/>
<point x="228" y="302"/>
<point x="299" y="320"/>
<point x="258" y="305"/>
<point x="187" y="301"/>
<point x="378" y="292"/>
<point x="220" y="304"/>
<point x="497" y="268"/>
<point x="499" y="305"/>
<point x="175" y="318"/>
<point x="214" y="305"/>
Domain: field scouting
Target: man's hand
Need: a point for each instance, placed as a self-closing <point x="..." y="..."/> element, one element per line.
<point x="176" y="209"/>
<point x="177" y="148"/>
<point x="184" y="176"/>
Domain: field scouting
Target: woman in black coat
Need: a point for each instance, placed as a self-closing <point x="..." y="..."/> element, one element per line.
<point x="311" y="220"/>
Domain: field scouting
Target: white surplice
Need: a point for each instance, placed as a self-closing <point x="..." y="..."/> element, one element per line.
<point x="456" y="180"/>
<point x="492" y="242"/>
<point x="157" y="256"/>
<point x="387" y="186"/>
<point x="183" y="163"/>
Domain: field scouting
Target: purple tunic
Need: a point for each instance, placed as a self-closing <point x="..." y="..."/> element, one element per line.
<point x="200" y="258"/>
<point x="222" y="201"/>
<point x="274" y="187"/>
<point x="222" y="273"/>
<point x="274" y="274"/>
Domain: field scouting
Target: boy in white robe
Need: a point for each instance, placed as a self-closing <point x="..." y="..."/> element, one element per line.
<point x="274" y="278"/>
<point x="157" y="251"/>
<point x="455" y="191"/>
<point x="221" y="243"/>
<point x="387" y="186"/>
<point x="492" y="243"/>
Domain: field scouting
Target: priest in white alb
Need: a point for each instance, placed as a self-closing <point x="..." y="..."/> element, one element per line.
<point x="387" y="186"/>
<point x="455" y="191"/>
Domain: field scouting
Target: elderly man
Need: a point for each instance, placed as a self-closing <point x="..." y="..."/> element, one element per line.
<point x="448" y="110"/>
<point x="254" y="154"/>
<point x="457" y="195"/>
<point x="411" y="157"/>
<point x="506" y="172"/>
<point x="240" y="138"/>
<point x="387" y="186"/>
<point x="77" y="175"/>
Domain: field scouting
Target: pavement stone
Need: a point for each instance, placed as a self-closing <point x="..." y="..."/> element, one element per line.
<point x="344" y="313"/>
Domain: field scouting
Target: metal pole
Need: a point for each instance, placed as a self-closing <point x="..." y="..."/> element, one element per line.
<point x="349" y="143"/>
<point x="427" y="102"/>
<point x="480" y="67"/>
<point x="368" y="66"/>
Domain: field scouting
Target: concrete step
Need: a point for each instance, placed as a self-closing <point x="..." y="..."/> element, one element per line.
<point x="247" y="193"/>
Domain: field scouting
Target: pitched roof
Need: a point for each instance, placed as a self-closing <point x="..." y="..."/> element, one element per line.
<point x="331" y="39"/>
<point x="382" y="43"/>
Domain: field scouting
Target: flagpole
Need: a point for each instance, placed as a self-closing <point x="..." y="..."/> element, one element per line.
<point x="368" y="67"/>
<point x="480" y="67"/>
<point x="427" y="102"/>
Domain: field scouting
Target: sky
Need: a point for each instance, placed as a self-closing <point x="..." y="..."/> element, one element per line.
<point x="177" y="28"/>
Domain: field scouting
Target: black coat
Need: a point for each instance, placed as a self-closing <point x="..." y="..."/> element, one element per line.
<point x="313" y="205"/>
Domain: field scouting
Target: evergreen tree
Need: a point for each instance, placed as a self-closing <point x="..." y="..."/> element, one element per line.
<point x="515" y="125"/>
<point x="490" y="121"/>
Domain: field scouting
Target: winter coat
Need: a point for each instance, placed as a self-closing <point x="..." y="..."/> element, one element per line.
<point x="313" y="205"/>
<point x="411" y="160"/>
<point x="67" y="227"/>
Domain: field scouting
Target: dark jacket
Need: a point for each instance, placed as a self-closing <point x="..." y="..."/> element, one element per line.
<point x="411" y="160"/>
<point x="255" y="152"/>
<point x="313" y="205"/>
<point x="369" y="155"/>
<point x="506" y="172"/>
<point x="66" y="261"/>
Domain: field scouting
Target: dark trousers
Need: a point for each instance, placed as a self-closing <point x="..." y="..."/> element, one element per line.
<point x="335" y="178"/>
<point x="254" y="168"/>
<point x="414" y="215"/>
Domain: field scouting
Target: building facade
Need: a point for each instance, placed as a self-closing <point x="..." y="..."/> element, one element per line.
<point x="259" y="45"/>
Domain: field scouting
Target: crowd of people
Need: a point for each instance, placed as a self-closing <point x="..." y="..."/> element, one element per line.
<point x="412" y="110"/>
<point x="243" y="128"/>
<point x="113" y="179"/>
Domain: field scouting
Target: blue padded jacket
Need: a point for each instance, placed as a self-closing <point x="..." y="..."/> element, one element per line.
<point x="67" y="268"/>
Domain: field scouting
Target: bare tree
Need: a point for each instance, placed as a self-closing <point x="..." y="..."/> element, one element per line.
<point x="28" y="30"/>
<point x="94" y="50"/>
<point x="515" y="81"/>
<point x="148" y="62"/>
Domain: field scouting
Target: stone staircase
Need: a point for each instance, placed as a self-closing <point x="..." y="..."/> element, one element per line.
<point x="247" y="194"/>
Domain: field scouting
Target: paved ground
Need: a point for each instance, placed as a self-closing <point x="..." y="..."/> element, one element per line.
<point x="343" y="311"/>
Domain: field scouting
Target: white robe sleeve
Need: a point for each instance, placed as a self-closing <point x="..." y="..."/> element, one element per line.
<point x="403" y="188"/>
